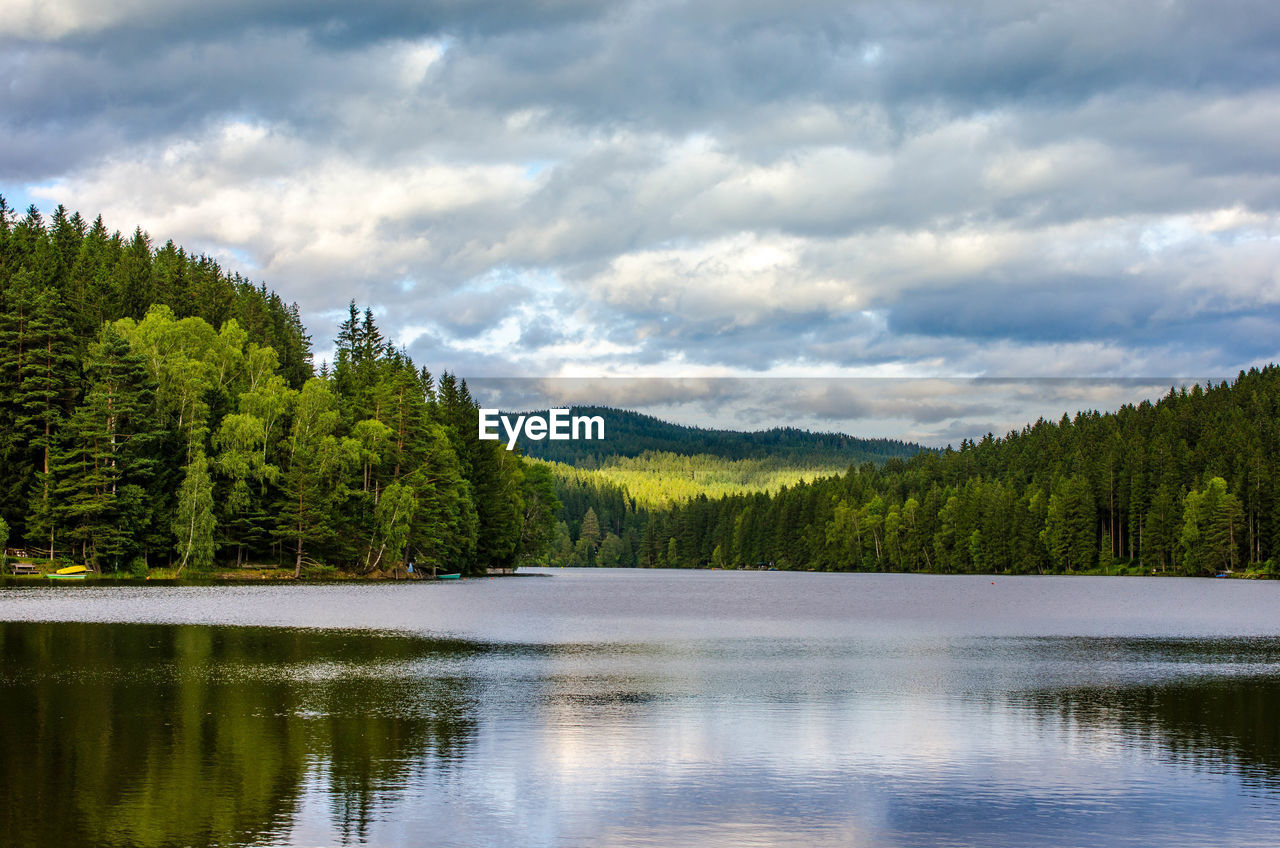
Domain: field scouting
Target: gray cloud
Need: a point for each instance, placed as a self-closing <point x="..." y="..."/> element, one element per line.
<point x="931" y="411"/>
<point x="810" y="187"/>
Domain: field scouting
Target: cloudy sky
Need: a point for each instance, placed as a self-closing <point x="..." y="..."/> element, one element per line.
<point x="565" y="188"/>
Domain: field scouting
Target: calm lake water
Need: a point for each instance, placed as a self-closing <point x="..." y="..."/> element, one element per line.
<point x="644" y="708"/>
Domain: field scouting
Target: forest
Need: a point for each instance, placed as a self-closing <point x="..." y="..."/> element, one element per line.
<point x="660" y="464"/>
<point x="1189" y="485"/>
<point x="159" y="412"/>
<point x="632" y="434"/>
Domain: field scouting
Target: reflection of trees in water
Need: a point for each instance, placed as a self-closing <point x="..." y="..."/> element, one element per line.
<point x="156" y="735"/>
<point x="1219" y="714"/>
<point x="375" y="748"/>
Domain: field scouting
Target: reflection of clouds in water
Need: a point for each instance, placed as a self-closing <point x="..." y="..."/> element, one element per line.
<point x="697" y="744"/>
<point x="728" y="709"/>
<point x="794" y="774"/>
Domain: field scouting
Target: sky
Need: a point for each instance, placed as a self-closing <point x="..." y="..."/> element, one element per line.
<point x="955" y="216"/>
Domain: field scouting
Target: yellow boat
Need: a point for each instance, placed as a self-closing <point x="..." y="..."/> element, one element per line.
<point x="72" y="569"/>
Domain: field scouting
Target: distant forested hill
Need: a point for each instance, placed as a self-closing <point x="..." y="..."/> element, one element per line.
<point x="609" y="489"/>
<point x="655" y="464"/>
<point x="630" y="434"/>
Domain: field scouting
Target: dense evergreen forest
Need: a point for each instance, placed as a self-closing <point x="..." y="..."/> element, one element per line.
<point x="632" y="434"/>
<point x="1187" y="485"/>
<point x="157" y="411"/>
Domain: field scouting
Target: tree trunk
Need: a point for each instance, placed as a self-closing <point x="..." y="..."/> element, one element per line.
<point x="191" y="535"/>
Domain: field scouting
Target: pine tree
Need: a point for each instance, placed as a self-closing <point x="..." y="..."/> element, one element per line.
<point x="17" y="348"/>
<point x="443" y="535"/>
<point x="1161" y="527"/>
<point x="590" y="527"/>
<point x="48" y="386"/>
<point x="539" y="507"/>
<point x="131" y="285"/>
<point x="108" y="459"/>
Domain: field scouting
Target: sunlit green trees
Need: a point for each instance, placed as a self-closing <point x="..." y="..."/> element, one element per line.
<point x="314" y="486"/>
<point x="1212" y="526"/>
<point x="156" y="410"/>
<point x="193" y="525"/>
<point x="391" y="525"/>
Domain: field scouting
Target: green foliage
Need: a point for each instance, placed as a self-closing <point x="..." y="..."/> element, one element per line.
<point x="610" y="553"/>
<point x="107" y="465"/>
<point x="392" y="522"/>
<point x="660" y="480"/>
<point x="445" y="523"/>
<point x="1211" y="520"/>
<point x="314" y="487"/>
<point x="590" y="527"/>
<point x="152" y="406"/>
<point x="631" y="434"/>
<point x="540" y="505"/>
<point x="1070" y="525"/>
<point x="193" y="525"/>
<point x="1123" y="492"/>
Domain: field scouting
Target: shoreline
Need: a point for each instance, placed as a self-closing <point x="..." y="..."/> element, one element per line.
<point x="11" y="581"/>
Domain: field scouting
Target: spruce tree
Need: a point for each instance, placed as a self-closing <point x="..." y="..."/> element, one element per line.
<point x="109" y="457"/>
<point x="49" y="385"/>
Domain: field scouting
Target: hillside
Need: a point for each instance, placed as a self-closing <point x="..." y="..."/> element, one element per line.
<point x="631" y="434"/>
<point x="646" y="466"/>
<point x="654" y="464"/>
<point x="659" y="480"/>
<point x="1187" y="485"/>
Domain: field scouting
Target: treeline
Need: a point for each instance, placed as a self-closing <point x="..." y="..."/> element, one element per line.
<point x="1188" y="485"/>
<point x="78" y="275"/>
<point x="632" y="434"/>
<point x="155" y="411"/>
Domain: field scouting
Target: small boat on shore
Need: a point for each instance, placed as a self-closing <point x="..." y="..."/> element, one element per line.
<point x="71" y="572"/>
<point x="448" y="576"/>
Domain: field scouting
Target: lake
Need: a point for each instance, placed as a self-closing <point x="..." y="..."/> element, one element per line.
<point x="644" y="708"/>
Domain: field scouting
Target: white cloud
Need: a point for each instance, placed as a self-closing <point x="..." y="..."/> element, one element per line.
<point x="688" y="188"/>
<point x="52" y="19"/>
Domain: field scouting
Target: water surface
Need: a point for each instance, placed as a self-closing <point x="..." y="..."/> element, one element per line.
<point x="628" y="708"/>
